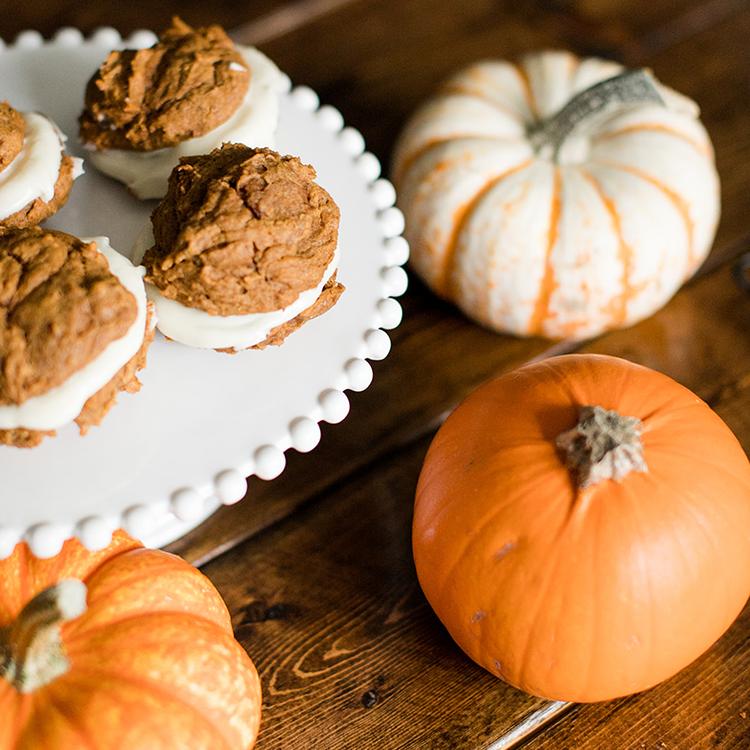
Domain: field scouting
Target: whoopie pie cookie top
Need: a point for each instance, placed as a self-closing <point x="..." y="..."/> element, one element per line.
<point x="187" y="84"/>
<point x="60" y="306"/>
<point x="241" y="231"/>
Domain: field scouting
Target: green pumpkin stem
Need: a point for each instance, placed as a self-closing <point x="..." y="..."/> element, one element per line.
<point x="603" y="445"/>
<point x="31" y="649"/>
<point x="629" y="87"/>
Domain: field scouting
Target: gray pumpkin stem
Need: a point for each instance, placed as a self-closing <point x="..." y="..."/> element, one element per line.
<point x="629" y="87"/>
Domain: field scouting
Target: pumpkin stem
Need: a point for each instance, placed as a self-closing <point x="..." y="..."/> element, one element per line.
<point x="31" y="649"/>
<point x="603" y="445"/>
<point x="629" y="87"/>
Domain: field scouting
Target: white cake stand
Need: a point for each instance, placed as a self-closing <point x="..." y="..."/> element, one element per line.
<point x="165" y="458"/>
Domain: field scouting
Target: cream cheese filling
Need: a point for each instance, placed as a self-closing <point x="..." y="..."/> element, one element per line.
<point x="197" y="328"/>
<point x="34" y="171"/>
<point x="63" y="403"/>
<point x="146" y="173"/>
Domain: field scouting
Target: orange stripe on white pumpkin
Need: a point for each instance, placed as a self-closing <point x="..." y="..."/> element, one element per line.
<point x="440" y="185"/>
<point x="470" y="92"/>
<point x="651" y="226"/>
<point x="500" y="257"/>
<point x="444" y="283"/>
<point x="450" y="118"/>
<point x="619" y="311"/>
<point x="654" y="127"/>
<point x="494" y="81"/>
<point x="407" y="162"/>
<point x="677" y="200"/>
<point x="682" y="169"/>
<point x="547" y="286"/>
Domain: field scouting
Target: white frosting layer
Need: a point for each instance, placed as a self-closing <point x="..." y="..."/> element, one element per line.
<point x="254" y="123"/>
<point x="197" y="328"/>
<point x="61" y="405"/>
<point x="34" y="171"/>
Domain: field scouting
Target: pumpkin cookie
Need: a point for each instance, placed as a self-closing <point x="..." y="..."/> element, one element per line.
<point x="190" y="92"/>
<point x="35" y="172"/>
<point x="74" y="329"/>
<point x="242" y="249"/>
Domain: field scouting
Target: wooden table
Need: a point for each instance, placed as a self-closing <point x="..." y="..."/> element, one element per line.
<point x="316" y="566"/>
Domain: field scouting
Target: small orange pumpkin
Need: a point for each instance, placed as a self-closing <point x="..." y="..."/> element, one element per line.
<point x="582" y="527"/>
<point x="124" y="648"/>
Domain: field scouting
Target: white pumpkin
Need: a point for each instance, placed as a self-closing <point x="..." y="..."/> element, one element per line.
<point x="539" y="220"/>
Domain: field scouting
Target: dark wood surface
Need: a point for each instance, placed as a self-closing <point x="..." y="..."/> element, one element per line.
<point x="316" y="566"/>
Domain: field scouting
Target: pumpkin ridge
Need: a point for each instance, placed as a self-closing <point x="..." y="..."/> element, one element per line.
<point x="702" y="149"/>
<point x="596" y="626"/>
<point x="80" y="732"/>
<point x="445" y="278"/>
<point x="625" y="252"/>
<point x="523" y="76"/>
<point x="410" y="160"/>
<point x="86" y="631"/>
<point x="550" y="561"/>
<point x="465" y="89"/>
<point x="107" y="560"/>
<point x="717" y="467"/>
<point x="104" y="583"/>
<point x="547" y="285"/>
<point x="155" y="687"/>
<point x="491" y="516"/>
<point x="644" y="567"/>
<point x="22" y="708"/>
<point x="485" y="297"/>
<point x="677" y="201"/>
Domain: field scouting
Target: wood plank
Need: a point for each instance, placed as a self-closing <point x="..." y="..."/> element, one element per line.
<point x="47" y="16"/>
<point x="438" y="355"/>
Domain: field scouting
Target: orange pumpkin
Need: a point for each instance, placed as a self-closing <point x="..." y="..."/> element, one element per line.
<point x="582" y="527"/>
<point x="124" y="648"/>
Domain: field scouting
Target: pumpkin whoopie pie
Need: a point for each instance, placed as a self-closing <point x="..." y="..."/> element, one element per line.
<point x="35" y="172"/>
<point x="190" y="92"/>
<point x="75" y="325"/>
<point x="242" y="250"/>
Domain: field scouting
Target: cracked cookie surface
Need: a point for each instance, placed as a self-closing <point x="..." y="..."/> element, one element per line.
<point x="190" y="82"/>
<point x="60" y="306"/>
<point x="241" y="231"/>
